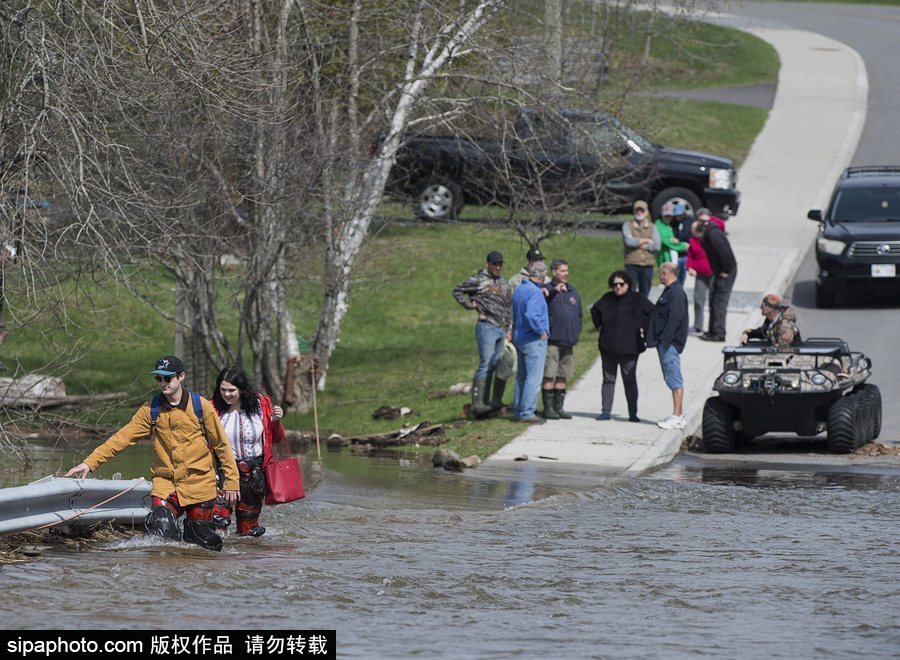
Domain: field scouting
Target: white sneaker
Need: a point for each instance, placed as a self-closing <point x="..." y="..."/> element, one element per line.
<point x="672" y="422"/>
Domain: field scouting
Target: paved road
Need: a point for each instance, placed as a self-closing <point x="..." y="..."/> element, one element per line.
<point x="869" y="325"/>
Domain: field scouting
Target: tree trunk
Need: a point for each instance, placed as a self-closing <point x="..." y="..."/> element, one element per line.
<point x="362" y="201"/>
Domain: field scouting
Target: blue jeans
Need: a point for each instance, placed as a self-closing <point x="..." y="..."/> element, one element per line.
<point x="642" y="277"/>
<point x="529" y="375"/>
<point x="490" y="348"/>
<point x="682" y="269"/>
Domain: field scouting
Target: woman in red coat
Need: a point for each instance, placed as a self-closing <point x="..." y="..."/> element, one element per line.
<point x="252" y="424"/>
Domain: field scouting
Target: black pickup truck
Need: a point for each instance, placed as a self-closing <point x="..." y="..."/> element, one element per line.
<point x="561" y="159"/>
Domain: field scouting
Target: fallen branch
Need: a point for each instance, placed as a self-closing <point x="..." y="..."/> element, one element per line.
<point x="404" y="436"/>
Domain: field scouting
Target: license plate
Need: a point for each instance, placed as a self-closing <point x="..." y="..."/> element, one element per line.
<point x="884" y="270"/>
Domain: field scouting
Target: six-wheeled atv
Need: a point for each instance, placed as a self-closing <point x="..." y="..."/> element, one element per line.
<point x="817" y="386"/>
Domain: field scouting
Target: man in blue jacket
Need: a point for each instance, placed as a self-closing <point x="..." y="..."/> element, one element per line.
<point x="531" y="327"/>
<point x="668" y="331"/>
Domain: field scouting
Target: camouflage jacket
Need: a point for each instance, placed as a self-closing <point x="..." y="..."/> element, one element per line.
<point x="782" y="332"/>
<point x="492" y="297"/>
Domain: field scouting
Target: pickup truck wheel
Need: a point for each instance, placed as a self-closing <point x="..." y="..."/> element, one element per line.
<point x="672" y="195"/>
<point x="437" y="198"/>
<point x="719" y="435"/>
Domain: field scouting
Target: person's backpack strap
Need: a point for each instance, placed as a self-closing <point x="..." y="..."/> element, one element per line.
<point x="154" y="415"/>
<point x="198" y="411"/>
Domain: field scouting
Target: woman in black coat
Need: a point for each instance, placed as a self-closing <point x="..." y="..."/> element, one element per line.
<point x="621" y="316"/>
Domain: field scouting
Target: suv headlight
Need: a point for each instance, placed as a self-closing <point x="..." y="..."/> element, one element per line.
<point x="830" y="246"/>
<point x="721" y="179"/>
<point x="731" y="378"/>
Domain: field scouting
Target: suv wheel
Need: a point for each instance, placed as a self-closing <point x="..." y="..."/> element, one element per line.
<point x="719" y="435"/>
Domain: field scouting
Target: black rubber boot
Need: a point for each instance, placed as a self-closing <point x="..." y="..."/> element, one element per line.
<point x="479" y="408"/>
<point x="549" y="411"/>
<point x="559" y="398"/>
<point x="203" y="534"/>
<point x="497" y="398"/>
<point x="161" y="521"/>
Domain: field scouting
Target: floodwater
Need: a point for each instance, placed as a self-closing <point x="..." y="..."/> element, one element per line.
<point x="519" y="561"/>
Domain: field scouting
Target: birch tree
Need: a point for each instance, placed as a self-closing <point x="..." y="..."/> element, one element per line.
<point x="434" y="39"/>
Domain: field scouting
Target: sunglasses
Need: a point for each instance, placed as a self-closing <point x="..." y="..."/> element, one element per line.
<point x="618" y="284"/>
<point x="636" y="211"/>
<point x="168" y="379"/>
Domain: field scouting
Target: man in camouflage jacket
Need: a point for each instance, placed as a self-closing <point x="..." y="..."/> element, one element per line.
<point x="780" y="327"/>
<point x="489" y="294"/>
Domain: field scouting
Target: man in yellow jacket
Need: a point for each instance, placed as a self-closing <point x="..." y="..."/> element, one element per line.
<point x="184" y="468"/>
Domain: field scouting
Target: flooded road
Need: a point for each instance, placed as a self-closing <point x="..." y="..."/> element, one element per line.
<point x="403" y="560"/>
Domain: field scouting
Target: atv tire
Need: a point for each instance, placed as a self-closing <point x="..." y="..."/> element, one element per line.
<point x="874" y="395"/>
<point x="846" y="424"/>
<point x="719" y="435"/>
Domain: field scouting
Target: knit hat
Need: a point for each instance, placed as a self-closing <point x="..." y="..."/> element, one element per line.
<point x="771" y="300"/>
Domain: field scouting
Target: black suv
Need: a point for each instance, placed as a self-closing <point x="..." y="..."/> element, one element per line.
<point x="858" y="245"/>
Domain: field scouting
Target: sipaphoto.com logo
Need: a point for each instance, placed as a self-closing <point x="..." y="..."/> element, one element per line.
<point x="60" y="646"/>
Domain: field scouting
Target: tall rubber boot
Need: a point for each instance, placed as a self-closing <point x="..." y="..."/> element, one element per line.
<point x="479" y="408"/>
<point x="221" y="515"/>
<point x="549" y="411"/>
<point x="199" y="527"/>
<point x="202" y="533"/>
<point x="248" y="520"/>
<point x="497" y="395"/>
<point x="559" y="398"/>
<point x="161" y="521"/>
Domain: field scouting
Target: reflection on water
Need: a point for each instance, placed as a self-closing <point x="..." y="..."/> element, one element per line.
<point x="823" y="475"/>
<point x="524" y="559"/>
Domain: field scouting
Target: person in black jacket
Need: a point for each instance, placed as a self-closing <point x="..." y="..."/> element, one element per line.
<point x="621" y="316"/>
<point x="724" y="266"/>
<point x="564" y="308"/>
<point x="668" y="331"/>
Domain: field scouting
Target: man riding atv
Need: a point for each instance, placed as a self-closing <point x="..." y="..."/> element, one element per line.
<point x="780" y="327"/>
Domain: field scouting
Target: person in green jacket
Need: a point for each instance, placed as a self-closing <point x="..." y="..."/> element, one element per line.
<point x="670" y="247"/>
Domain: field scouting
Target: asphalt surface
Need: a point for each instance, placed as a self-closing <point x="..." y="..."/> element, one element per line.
<point x="868" y="324"/>
<point x="870" y="30"/>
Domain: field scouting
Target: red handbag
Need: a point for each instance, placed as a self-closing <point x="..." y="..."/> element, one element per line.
<point x="284" y="483"/>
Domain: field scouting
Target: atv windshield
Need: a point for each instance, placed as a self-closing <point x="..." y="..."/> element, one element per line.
<point x="881" y="204"/>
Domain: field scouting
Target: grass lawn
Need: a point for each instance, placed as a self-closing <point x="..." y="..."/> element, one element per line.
<point x="405" y="337"/>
